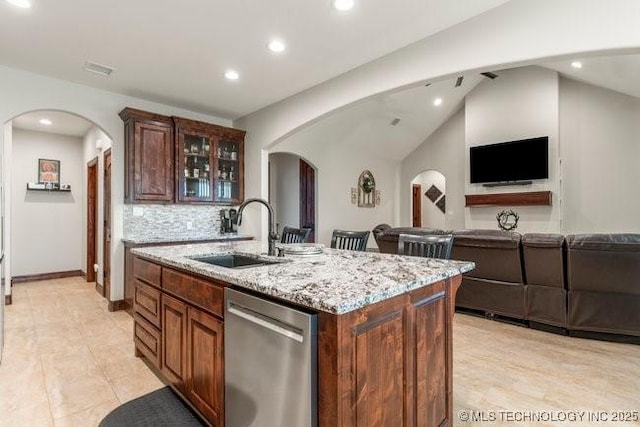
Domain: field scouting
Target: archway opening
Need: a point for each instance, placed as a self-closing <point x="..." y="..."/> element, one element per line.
<point x="292" y="191"/>
<point x="428" y="200"/>
<point x="53" y="186"/>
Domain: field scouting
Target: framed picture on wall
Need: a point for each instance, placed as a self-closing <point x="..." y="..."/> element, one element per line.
<point x="48" y="171"/>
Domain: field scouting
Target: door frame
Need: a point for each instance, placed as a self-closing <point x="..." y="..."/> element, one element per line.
<point x="416" y="208"/>
<point x="307" y="202"/>
<point x="92" y="219"/>
<point x="106" y="237"/>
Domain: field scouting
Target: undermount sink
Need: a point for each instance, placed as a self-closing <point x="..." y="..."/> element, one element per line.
<point x="233" y="261"/>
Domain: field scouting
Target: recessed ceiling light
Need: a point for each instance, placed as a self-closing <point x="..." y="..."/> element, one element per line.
<point x="24" y="4"/>
<point x="437" y="101"/>
<point x="576" y="64"/>
<point x="45" y="122"/>
<point x="343" y="5"/>
<point x="232" y="75"/>
<point x="276" y="46"/>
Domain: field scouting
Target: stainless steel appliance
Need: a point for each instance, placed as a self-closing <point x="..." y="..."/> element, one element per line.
<point x="270" y="363"/>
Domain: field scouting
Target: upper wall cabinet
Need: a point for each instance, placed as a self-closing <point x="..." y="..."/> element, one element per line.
<point x="149" y="171"/>
<point x="210" y="163"/>
<point x="174" y="159"/>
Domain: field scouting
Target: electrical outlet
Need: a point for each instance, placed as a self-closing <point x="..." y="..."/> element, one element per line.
<point x="138" y="211"/>
<point x="189" y="225"/>
<point x="96" y="267"/>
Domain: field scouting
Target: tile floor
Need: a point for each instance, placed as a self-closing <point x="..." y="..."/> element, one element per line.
<point x="68" y="361"/>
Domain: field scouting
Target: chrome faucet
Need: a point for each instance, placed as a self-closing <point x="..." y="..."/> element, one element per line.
<point x="273" y="233"/>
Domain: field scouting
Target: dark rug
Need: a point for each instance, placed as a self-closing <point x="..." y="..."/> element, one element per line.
<point x="157" y="409"/>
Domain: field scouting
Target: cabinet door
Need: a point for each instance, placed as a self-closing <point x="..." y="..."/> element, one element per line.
<point x="153" y="162"/>
<point x="174" y="338"/>
<point x="193" y="151"/>
<point x="229" y="170"/>
<point x="205" y="368"/>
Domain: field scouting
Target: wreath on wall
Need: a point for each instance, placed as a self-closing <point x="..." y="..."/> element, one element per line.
<point x="367" y="184"/>
<point x="507" y="220"/>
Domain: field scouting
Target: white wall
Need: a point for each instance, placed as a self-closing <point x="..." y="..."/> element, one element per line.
<point x="90" y="152"/>
<point x="600" y="134"/>
<point x="521" y="103"/>
<point x="337" y="170"/>
<point x="46" y="227"/>
<point x="443" y="151"/>
<point x="432" y="216"/>
<point x="519" y="32"/>
<point x="23" y="91"/>
<point x="285" y="188"/>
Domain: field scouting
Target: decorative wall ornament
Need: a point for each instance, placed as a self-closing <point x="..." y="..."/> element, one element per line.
<point x="507" y="220"/>
<point x="354" y="195"/>
<point x="433" y="193"/>
<point x="442" y="204"/>
<point x="366" y="190"/>
<point x="378" y="197"/>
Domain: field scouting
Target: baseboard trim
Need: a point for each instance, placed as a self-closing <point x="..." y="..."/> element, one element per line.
<point x="7" y="300"/>
<point x="45" y="276"/>
<point x="117" y="305"/>
<point x="99" y="288"/>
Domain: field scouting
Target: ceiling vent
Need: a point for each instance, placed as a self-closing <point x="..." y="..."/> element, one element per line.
<point x="459" y="81"/>
<point x="395" y="121"/>
<point x="103" y="70"/>
<point x="490" y="75"/>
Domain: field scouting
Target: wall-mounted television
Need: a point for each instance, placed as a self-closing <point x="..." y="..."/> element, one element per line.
<point x="508" y="162"/>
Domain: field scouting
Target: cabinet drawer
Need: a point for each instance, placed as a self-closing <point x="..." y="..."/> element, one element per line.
<point x="146" y="302"/>
<point x="147" y="339"/>
<point x="204" y="294"/>
<point x="147" y="271"/>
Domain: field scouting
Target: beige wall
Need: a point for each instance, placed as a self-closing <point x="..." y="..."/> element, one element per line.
<point x="600" y="149"/>
<point x="46" y="227"/>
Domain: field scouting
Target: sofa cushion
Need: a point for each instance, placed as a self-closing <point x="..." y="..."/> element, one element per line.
<point x="544" y="259"/>
<point x="496" y="254"/>
<point x="487" y="239"/>
<point x="604" y="263"/>
<point x="623" y="242"/>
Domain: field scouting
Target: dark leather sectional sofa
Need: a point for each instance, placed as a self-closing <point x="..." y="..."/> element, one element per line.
<point x="584" y="284"/>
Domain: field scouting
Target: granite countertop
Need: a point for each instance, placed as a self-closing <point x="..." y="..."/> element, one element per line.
<point x="335" y="281"/>
<point x="172" y="239"/>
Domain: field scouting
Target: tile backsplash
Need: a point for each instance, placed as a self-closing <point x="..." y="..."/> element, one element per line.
<point x="171" y="221"/>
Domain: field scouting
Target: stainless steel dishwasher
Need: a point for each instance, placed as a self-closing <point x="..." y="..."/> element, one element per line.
<point x="270" y="353"/>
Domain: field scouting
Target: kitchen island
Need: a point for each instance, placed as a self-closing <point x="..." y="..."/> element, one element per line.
<point x="384" y="327"/>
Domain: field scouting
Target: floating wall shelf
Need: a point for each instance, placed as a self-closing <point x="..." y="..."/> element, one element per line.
<point x="531" y="198"/>
<point x="32" y="186"/>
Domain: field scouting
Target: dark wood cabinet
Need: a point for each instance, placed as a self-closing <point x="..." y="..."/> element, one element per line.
<point x="205" y="365"/>
<point x="174" y="337"/>
<point x="178" y="327"/>
<point x="149" y="170"/>
<point x="209" y="163"/>
<point x="172" y="159"/>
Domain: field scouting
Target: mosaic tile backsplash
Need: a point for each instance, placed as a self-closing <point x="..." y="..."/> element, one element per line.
<point x="171" y="222"/>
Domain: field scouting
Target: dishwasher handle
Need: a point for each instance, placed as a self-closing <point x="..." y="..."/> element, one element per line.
<point x="266" y="322"/>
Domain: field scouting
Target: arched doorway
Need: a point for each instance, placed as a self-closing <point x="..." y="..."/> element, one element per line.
<point x="292" y="191"/>
<point x="428" y="200"/>
<point x="50" y="222"/>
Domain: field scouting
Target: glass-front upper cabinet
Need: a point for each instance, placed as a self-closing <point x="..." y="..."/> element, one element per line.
<point x="229" y="160"/>
<point x="210" y="163"/>
<point x="194" y="164"/>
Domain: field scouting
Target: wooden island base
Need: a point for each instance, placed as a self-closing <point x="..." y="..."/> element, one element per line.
<point x="389" y="364"/>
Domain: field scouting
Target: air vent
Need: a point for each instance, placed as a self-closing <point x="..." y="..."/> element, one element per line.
<point x="395" y="121"/>
<point x="103" y="70"/>
<point x="459" y="81"/>
<point x="490" y="75"/>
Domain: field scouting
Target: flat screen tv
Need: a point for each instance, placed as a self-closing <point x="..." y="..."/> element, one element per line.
<point x="521" y="160"/>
